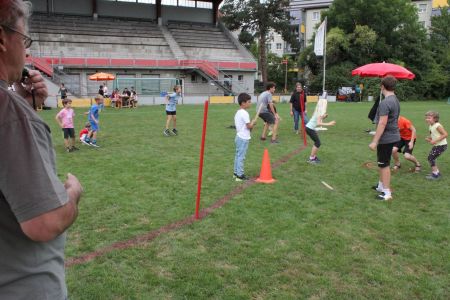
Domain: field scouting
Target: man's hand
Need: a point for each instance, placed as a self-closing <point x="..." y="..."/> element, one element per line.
<point x="291" y="113"/>
<point x="373" y="146"/>
<point x="36" y="82"/>
<point x="73" y="187"/>
<point x="411" y="145"/>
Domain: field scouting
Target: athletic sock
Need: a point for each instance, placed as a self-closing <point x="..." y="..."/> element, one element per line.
<point x="436" y="173"/>
<point x="312" y="157"/>
<point x="380" y="185"/>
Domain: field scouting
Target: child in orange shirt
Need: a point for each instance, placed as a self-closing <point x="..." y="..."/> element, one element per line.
<point x="408" y="140"/>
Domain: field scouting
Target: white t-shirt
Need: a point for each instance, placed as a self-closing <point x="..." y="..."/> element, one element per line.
<point x="241" y="119"/>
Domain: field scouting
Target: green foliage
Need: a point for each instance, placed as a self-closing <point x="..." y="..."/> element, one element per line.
<point x="293" y="239"/>
<point x="259" y="18"/>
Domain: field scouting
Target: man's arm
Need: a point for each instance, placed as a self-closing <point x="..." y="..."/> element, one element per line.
<point x="379" y="132"/>
<point x="49" y="225"/>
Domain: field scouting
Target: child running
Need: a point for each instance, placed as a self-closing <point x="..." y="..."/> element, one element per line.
<point x="437" y="138"/>
<point x="171" y="110"/>
<point x="65" y="120"/>
<point x="407" y="141"/>
<point x="310" y="127"/>
<point x="243" y="127"/>
<point x="93" y="118"/>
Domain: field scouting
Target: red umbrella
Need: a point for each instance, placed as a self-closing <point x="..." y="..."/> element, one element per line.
<point x="383" y="69"/>
<point x="102" y="77"/>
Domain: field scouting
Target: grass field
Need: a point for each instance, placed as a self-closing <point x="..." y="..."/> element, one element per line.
<point x="294" y="239"/>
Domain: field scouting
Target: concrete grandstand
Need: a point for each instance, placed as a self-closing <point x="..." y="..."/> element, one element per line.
<point x="155" y="39"/>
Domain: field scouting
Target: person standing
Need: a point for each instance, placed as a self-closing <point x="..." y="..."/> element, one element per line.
<point x="36" y="208"/>
<point x="62" y="91"/>
<point x="171" y="111"/>
<point x="298" y="106"/>
<point x="386" y="136"/>
<point x="268" y="113"/>
<point x="242" y="139"/>
<point x="65" y="120"/>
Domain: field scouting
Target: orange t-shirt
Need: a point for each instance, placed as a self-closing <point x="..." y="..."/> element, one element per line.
<point x="404" y="125"/>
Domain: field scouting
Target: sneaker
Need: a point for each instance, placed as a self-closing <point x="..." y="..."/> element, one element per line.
<point x="166" y="132"/>
<point x="270" y="133"/>
<point x="85" y="143"/>
<point x="433" y="176"/>
<point x="296" y="132"/>
<point x="94" y="145"/>
<point x="383" y="197"/>
<point x="242" y="178"/>
<point x="68" y="150"/>
<point x="376" y="188"/>
<point x="316" y="160"/>
<point x="234" y="175"/>
<point x="274" y="142"/>
<point x="262" y="138"/>
<point x="75" y="148"/>
<point x="175" y="131"/>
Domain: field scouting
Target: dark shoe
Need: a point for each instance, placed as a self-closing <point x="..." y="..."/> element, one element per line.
<point x="75" y="148"/>
<point x="375" y="187"/>
<point x="166" y="132"/>
<point x="315" y="160"/>
<point x="433" y="176"/>
<point x="274" y="142"/>
<point x="242" y="178"/>
<point x="262" y="138"/>
<point x="175" y="131"/>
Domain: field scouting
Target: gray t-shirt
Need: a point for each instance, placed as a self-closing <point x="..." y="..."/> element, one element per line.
<point x="29" y="187"/>
<point x="264" y="99"/>
<point x="389" y="107"/>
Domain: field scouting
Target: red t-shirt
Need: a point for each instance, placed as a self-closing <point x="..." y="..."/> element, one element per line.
<point x="404" y="125"/>
<point x="84" y="131"/>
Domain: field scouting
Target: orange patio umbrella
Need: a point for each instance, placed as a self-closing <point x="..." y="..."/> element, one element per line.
<point x="102" y="77"/>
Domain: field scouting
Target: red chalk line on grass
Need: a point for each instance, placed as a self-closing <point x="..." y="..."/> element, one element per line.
<point x="141" y="239"/>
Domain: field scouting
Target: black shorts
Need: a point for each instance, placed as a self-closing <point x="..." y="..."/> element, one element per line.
<point x="68" y="133"/>
<point x="267" y="117"/>
<point x="384" y="152"/>
<point x="171" y="113"/>
<point x="314" y="136"/>
<point x="404" y="144"/>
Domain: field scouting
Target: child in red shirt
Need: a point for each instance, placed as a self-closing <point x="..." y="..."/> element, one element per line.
<point x="407" y="141"/>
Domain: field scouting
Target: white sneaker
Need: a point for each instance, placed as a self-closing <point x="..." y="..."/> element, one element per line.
<point x="85" y="143"/>
<point x="384" y="197"/>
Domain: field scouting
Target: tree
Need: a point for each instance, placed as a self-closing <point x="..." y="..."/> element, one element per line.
<point x="259" y="19"/>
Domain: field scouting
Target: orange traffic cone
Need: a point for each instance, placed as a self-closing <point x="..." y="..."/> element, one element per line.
<point x="265" y="175"/>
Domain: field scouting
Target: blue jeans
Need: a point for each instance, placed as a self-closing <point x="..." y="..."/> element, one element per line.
<point x="297" y="117"/>
<point x="239" y="157"/>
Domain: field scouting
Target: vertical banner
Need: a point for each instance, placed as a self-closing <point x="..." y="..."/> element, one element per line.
<point x="320" y="39"/>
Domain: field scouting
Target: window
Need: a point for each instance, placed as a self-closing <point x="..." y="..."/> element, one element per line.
<point x="201" y="4"/>
<point x="169" y="2"/>
<point x="279" y="46"/>
<point x="269" y="46"/>
<point x="422" y="23"/>
<point x="240" y="77"/>
<point x="316" y="15"/>
<point x="204" y="80"/>
<point x="186" y="3"/>
<point x="193" y="78"/>
<point x="422" y="8"/>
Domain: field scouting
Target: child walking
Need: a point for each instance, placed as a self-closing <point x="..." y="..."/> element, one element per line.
<point x="243" y="127"/>
<point x="310" y="127"/>
<point x="171" y="110"/>
<point x="65" y="120"/>
<point x="407" y="142"/>
<point x="93" y="118"/>
<point x="437" y="138"/>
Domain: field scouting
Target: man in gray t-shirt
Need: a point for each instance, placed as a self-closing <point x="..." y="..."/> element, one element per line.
<point x="386" y="135"/>
<point x="268" y="112"/>
<point x="35" y="206"/>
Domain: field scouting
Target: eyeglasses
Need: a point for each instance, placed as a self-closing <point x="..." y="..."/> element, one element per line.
<point x="27" y="41"/>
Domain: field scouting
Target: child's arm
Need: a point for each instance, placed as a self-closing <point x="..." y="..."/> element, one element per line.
<point x="321" y="123"/>
<point x="93" y="118"/>
<point x="413" y="137"/>
<point x="58" y="120"/>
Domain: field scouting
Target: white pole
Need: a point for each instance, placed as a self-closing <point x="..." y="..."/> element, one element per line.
<point x="324" y="54"/>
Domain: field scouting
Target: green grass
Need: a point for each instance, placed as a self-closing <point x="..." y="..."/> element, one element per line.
<point x="294" y="239"/>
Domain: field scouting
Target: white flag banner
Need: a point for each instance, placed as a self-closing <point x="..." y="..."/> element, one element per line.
<point x="320" y="39"/>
